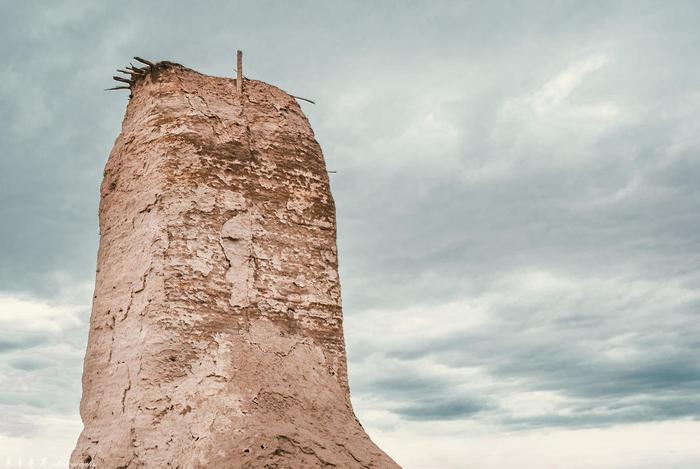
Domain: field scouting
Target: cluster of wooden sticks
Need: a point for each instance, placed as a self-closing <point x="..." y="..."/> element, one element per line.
<point x="134" y="73"/>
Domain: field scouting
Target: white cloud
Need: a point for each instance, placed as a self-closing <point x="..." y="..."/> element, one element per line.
<point x="555" y="92"/>
<point x="48" y="448"/>
<point x="30" y="315"/>
<point x="471" y="445"/>
<point x="551" y="126"/>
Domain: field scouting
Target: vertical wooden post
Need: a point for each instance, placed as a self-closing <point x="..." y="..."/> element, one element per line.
<point x="239" y="71"/>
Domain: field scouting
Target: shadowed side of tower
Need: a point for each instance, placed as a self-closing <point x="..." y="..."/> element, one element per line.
<point x="216" y="333"/>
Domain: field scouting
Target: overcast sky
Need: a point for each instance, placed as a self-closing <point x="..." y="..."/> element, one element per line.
<point x="517" y="187"/>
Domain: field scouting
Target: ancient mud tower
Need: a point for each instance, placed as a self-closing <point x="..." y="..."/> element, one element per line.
<point x="216" y="335"/>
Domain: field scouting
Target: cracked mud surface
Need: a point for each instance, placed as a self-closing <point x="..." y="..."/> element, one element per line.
<point x="216" y="331"/>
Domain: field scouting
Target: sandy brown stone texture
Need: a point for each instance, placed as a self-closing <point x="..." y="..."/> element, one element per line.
<point x="216" y="336"/>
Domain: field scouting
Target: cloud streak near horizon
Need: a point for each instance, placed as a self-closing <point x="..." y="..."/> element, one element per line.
<point x="517" y="195"/>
